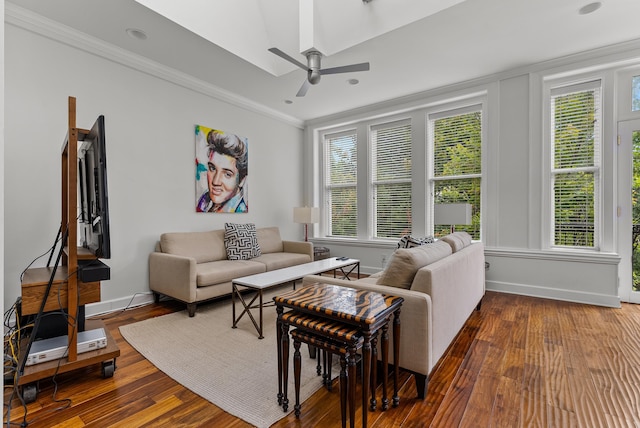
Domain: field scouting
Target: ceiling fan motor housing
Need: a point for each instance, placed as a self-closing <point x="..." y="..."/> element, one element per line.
<point x="313" y="62"/>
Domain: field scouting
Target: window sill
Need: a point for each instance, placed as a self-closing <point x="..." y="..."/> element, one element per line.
<point x="354" y="242"/>
<point x="572" y="255"/>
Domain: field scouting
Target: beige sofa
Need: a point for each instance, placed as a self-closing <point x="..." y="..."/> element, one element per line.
<point x="193" y="267"/>
<point x="441" y="283"/>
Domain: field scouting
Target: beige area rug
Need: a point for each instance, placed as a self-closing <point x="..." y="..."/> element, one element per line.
<point x="231" y="368"/>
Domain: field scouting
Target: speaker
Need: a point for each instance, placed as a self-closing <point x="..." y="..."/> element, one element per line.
<point x="53" y="323"/>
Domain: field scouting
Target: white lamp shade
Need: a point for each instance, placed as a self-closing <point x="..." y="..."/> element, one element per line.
<point x="452" y="214"/>
<point x="306" y="215"/>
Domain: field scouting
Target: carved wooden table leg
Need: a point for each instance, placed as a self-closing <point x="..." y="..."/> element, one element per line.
<point x="285" y="365"/>
<point x="374" y="371"/>
<point x="352" y="387"/>
<point x="366" y="374"/>
<point x="396" y="356"/>
<point x="297" y="363"/>
<point x="279" y="311"/>
<point x="343" y="390"/>
<point x="385" y="365"/>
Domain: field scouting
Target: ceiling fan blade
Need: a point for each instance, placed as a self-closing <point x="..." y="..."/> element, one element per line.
<point x="363" y="66"/>
<point x="288" y="58"/>
<point x="303" y="89"/>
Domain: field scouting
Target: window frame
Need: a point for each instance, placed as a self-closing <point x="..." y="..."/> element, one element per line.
<point x="421" y="210"/>
<point x="477" y="104"/>
<point x="553" y="88"/>
<point x="373" y="182"/>
<point x="326" y="215"/>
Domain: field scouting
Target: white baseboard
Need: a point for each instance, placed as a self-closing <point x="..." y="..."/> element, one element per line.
<point x="107" y="306"/>
<point x="554" y="293"/>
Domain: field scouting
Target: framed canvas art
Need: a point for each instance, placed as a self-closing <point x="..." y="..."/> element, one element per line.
<point x="221" y="171"/>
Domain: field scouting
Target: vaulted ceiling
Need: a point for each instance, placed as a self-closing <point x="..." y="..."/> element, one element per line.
<point x="411" y="45"/>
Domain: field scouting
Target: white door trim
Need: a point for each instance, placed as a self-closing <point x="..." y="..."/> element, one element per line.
<point x="625" y="174"/>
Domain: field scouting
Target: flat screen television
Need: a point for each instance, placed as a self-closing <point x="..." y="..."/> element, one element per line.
<point x="93" y="219"/>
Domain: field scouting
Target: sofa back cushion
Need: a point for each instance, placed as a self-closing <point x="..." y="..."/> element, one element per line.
<point x="405" y="263"/>
<point x="202" y="246"/>
<point x="457" y="240"/>
<point x="269" y="240"/>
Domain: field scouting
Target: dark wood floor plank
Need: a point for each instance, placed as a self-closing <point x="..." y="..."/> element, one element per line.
<point x="519" y="361"/>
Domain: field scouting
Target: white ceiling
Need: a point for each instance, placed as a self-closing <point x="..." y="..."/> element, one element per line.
<point x="470" y="39"/>
<point x="294" y="26"/>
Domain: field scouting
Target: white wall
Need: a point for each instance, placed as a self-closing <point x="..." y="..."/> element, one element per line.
<point x="150" y="157"/>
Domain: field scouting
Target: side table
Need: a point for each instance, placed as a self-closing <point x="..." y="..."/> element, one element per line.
<point x="367" y="311"/>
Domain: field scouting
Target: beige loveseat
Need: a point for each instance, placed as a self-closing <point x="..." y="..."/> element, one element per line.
<point x="441" y="283"/>
<point x="193" y="266"/>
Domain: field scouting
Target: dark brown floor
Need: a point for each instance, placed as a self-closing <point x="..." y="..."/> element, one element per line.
<point x="519" y="361"/>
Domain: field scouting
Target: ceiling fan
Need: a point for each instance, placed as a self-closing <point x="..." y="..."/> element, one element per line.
<point x="314" y="70"/>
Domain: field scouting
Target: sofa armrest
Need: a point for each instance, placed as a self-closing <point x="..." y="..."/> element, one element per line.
<point x="173" y="276"/>
<point x="456" y="286"/>
<point x="415" y="321"/>
<point x="301" y="247"/>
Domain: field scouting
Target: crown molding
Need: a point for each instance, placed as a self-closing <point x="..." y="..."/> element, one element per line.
<point x="30" y="21"/>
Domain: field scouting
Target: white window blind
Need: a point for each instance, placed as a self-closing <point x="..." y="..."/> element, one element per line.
<point x="391" y="179"/>
<point x="457" y="163"/>
<point x="341" y="183"/>
<point x="575" y="173"/>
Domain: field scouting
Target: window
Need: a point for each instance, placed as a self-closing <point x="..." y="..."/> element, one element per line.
<point x="457" y="163"/>
<point x="575" y="168"/>
<point x="391" y="179"/>
<point x="635" y="93"/>
<point x="369" y="171"/>
<point x="340" y="153"/>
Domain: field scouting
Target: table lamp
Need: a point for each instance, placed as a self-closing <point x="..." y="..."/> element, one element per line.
<point x="452" y="214"/>
<point x="306" y="216"/>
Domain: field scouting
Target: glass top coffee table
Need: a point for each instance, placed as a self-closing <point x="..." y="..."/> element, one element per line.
<point x="265" y="280"/>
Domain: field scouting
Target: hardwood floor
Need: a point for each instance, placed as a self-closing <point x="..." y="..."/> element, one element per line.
<point x="519" y="361"/>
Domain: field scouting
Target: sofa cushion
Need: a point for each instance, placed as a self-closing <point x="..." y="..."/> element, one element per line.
<point x="225" y="271"/>
<point x="408" y="241"/>
<point x="282" y="260"/>
<point x="406" y="261"/>
<point x="269" y="240"/>
<point x="457" y="240"/>
<point x="201" y="246"/>
<point x="464" y="237"/>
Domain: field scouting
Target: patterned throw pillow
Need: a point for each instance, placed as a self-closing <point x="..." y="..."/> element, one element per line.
<point x="240" y="241"/>
<point x="408" y="241"/>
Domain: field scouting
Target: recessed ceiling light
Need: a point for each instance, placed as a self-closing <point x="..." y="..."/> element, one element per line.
<point x="590" y="8"/>
<point x="288" y="102"/>
<point x="353" y="81"/>
<point x="134" y="33"/>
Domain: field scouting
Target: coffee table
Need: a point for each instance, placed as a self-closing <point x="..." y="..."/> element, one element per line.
<point x="265" y="280"/>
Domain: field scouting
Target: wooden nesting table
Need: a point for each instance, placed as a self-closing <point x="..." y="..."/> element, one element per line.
<point x="334" y="309"/>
